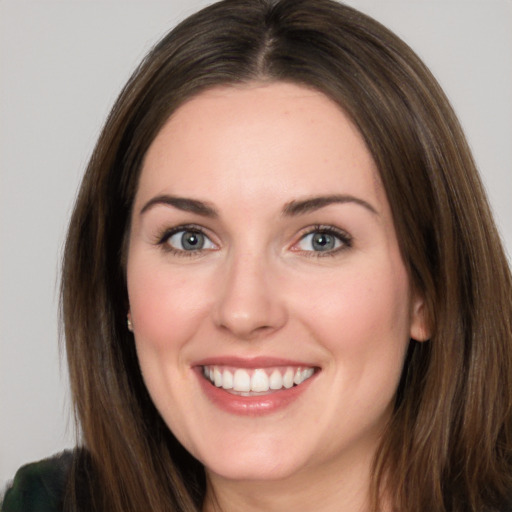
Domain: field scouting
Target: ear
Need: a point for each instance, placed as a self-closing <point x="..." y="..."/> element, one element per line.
<point x="420" y="322"/>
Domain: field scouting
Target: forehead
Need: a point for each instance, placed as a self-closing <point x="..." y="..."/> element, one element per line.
<point x="261" y="138"/>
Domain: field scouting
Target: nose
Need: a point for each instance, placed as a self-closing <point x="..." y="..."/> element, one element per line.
<point x="250" y="303"/>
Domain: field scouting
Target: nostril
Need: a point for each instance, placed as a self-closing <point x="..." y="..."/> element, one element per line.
<point x="246" y="330"/>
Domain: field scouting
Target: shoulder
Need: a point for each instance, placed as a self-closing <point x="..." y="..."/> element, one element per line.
<point x="40" y="486"/>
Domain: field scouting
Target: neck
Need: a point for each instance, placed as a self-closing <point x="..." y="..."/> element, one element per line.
<point x="328" y="489"/>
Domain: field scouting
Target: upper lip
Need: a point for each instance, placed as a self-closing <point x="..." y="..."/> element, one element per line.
<point x="251" y="362"/>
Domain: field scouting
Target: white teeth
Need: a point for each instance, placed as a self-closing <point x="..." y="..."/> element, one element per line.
<point x="258" y="380"/>
<point x="241" y="381"/>
<point x="217" y="377"/>
<point x="288" y="378"/>
<point x="227" y="379"/>
<point x="307" y="373"/>
<point x="301" y="375"/>
<point x="276" y="380"/>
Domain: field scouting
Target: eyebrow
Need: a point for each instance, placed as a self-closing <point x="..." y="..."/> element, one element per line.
<point x="311" y="204"/>
<point x="182" y="203"/>
<point x="291" y="209"/>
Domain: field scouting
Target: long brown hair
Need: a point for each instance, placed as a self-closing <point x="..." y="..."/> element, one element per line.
<point x="448" y="444"/>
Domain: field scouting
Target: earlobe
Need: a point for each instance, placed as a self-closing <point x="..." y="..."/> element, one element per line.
<point x="129" y="321"/>
<point x="420" y="322"/>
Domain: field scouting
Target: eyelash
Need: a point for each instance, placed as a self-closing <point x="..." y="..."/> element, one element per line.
<point x="342" y="236"/>
<point x="163" y="239"/>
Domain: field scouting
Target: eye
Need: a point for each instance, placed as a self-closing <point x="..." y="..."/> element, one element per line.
<point x="188" y="240"/>
<point x="324" y="239"/>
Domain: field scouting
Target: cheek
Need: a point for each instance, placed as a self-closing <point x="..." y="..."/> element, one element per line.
<point x="361" y="310"/>
<point x="165" y="304"/>
<point x="165" y="307"/>
<point x="363" y="322"/>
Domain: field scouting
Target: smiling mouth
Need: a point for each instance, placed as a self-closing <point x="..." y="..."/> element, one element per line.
<point x="258" y="381"/>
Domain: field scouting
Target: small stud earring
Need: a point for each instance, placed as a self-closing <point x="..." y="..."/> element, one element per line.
<point x="129" y="324"/>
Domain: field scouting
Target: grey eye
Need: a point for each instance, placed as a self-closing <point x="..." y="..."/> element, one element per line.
<point x="187" y="240"/>
<point x="319" y="241"/>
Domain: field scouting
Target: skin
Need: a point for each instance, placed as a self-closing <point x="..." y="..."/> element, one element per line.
<point x="259" y="288"/>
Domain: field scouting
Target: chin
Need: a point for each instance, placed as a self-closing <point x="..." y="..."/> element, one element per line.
<point x="241" y="470"/>
<point x="256" y="462"/>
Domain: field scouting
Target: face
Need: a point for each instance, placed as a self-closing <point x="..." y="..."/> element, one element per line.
<point x="270" y="305"/>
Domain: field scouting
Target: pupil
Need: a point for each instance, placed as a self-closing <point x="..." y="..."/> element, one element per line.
<point x="323" y="242"/>
<point x="191" y="240"/>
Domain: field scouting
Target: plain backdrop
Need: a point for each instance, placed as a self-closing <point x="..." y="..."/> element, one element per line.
<point x="62" y="64"/>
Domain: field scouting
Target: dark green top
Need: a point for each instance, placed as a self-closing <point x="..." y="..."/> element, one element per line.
<point x="40" y="486"/>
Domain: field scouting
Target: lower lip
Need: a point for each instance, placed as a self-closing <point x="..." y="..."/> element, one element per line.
<point x="252" y="405"/>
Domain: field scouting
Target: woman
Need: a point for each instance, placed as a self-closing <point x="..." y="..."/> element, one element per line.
<point x="282" y="284"/>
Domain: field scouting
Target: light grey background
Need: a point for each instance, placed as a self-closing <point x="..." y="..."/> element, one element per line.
<point x="62" y="64"/>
